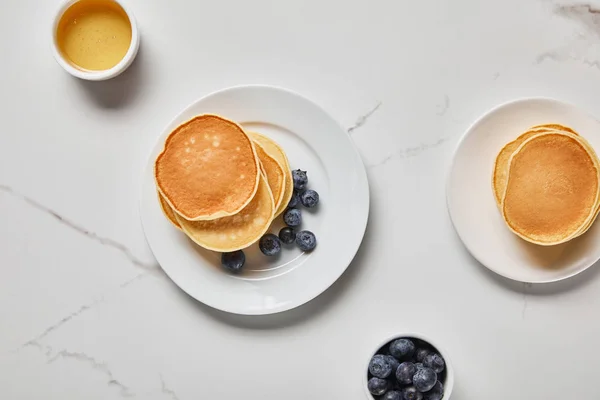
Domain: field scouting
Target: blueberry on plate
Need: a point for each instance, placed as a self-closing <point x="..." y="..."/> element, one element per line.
<point x="393" y="395"/>
<point x="421" y="353"/>
<point x="233" y="261"/>
<point x="287" y="235"/>
<point x="411" y="393"/>
<point x="402" y="349"/>
<point x="435" y="362"/>
<point x="294" y="200"/>
<point x="292" y="217"/>
<point x="269" y="244"/>
<point x="380" y="367"/>
<point x="300" y="179"/>
<point x="436" y="393"/>
<point x="424" y="379"/>
<point x="377" y="386"/>
<point x="405" y="372"/>
<point x="393" y="362"/>
<point x="309" y="198"/>
<point x="306" y="240"/>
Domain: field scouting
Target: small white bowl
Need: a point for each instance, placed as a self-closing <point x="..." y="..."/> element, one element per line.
<point x="96" y="75"/>
<point x="448" y="382"/>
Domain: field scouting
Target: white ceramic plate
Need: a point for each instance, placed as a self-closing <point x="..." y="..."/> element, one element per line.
<point x="314" y="142"/>
<point x="473" y="209"/>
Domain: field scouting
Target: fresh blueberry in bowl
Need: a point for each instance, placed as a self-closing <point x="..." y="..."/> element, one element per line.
<point x="402" y="349"/>
<point x="435" y="362"/>
<point x="392" y="360"/>
<point x="377" y="386"/>
<point x="421" y="353"/>
<point x="436" y="392"/>
<point x="309" y="198"/>
<point x="269" y="245"/>
<point x="424" y="379"/>
<point x="292" y="217"/>
<point x="414" y="362"/>
<point x="411" y="393"/>
<point x="306" y="240"/>
<point x="405" y="373"/>
<point x="287" y="235"/>
<point x="233" y="261"/>
<point x="392" y="395"/>
<point x="380" y="366"/>
<point x="300" y="179"/>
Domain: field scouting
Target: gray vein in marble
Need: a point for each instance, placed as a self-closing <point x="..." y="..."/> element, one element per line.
<point x="583" y="12"/>
<point x="60" y="323"/>
<point x="84" y="308"/>
<point x="360" y="121"/>
<point x="558" y="56"/>
<point x="526" y="287"/>
<point x="443" y="108"/>
<point x="166" y="390"/>
<point x="577" y="48"/>
<point x="409" y="152"/>
<point x="81" y="230"/>
<point x="96" y="365"/>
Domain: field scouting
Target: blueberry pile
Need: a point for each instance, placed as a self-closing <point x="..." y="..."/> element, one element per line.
<point x="270" y="244"/>
<point x="407" y="369"/>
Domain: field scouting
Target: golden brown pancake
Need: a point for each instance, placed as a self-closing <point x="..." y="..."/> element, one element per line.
<point x="237" y="231"/>
<point x="552" y="188"/>
<point x="501" y="164"/>
<point x="274" y="172"/>
<point x="168" y="211"/>
<point x="275" y="151"/>
<point x="208" y="169"/>
<point x="557" y="127"/>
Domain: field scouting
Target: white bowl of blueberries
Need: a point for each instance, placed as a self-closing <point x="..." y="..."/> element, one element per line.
<point x="409" y="367"/>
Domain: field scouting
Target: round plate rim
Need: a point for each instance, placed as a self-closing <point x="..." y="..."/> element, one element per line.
<point x="361" y="224"/>
<point x="464" y="136"/>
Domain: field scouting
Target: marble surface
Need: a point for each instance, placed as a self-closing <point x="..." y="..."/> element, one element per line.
<point x="85" y="311"/>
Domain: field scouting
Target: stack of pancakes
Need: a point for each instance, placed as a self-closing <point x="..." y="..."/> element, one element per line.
<point x="220" y="185"/>
<point x="547" y="185"/>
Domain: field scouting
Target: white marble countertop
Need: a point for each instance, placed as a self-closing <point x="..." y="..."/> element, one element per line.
<point x="85" y="311"/>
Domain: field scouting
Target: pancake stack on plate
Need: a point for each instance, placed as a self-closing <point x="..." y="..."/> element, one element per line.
<point x="221" y="185"/>
<point x="547" y="185"/>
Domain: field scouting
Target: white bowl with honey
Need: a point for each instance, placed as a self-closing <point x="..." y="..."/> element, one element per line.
<point x="94" y="39"/>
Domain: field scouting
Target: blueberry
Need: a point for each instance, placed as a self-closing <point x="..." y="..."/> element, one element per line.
<point x="306" y="240"/>
<point x="380" y="367"/>
<point x="420" y="354"/>
<point x="309" y="198"/>
<point x="436" y="393"/>
<point x="419" y="366"/>
<point x="269" y="245"/>
<point x="402" y="349"/>
<point x="377" y="386"/>
<point x="287" y="235"/>
<point x="435" y="362"/>
<point x="233" y="261"/>
<point x="411" y="393"/>
<point x="292" y="217"/>
<point x="424" y="379"/>
<point x="393" y="362"/>
<point x="405" y="373"/>
<point x="393" y="395"/>
<point x="294" y="200"/>
<point x="300" y="179"/>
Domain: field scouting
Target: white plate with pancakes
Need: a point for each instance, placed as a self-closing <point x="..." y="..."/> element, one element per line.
<point x="487" y="222"/>
<point x="314" y="142"/>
